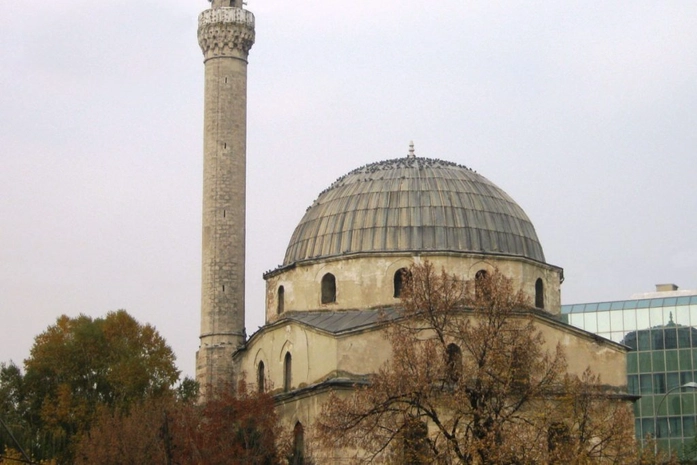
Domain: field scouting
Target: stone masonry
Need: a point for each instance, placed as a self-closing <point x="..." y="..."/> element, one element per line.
<point x="225" y="34"/>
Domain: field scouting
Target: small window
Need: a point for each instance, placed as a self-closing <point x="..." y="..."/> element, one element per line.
<point x="415" y="446"/>
<point x="539" y="293"/>
<point x="401" y="277"/>
<point x="287" y="372"/>
<point x="520" y="371"/>
<point x="298" y="457"/>
<point x="261" y="377"/>
<point x="454" y="363"/>
<point x="479" y="283"/>
<point x="328" y="289"/>
<point x="558" y="437"/>
<point x="280" y="302"/>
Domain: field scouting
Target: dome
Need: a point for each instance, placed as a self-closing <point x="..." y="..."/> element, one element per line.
<point x="413" y="205"/>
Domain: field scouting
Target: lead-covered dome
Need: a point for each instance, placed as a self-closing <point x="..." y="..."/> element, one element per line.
<point x="413" y="205"/>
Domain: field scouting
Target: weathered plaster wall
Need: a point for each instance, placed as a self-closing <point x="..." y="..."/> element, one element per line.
<point x="367" y="281"/>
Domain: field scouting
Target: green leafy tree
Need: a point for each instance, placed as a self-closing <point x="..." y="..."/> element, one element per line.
<point x="78" y="366"/>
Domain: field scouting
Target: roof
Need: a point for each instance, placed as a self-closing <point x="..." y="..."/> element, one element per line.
<point x="629" y="304"/>
<point x="341" y="321"/>
<point x="413" y="204"/>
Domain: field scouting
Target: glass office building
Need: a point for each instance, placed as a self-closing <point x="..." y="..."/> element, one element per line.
<point x="660" y="330"/>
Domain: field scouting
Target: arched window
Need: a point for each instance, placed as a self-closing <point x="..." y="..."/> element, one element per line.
<point x="520" y="370"/>
<point x="415" y="446"/>
<point x="298" y="457"/>
<point x="280" y="303"/>
<point x="454" y="362"/>
<point x="328" y="288"/>
<point x="287" y="372"/>
<point x="539" y="293"/>
<point x="558" y="436"/>
<point x="479" y="284"/>
<point x="401" y="277"/>
<point x="261" y="377"/>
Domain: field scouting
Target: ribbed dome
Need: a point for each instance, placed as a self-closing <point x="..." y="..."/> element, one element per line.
<point x="413" y="204"/>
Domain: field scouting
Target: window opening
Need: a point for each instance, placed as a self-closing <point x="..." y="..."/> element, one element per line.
<point x="520" y="371"/>
<point x="287" y="372"/>
<point x="480" y="283"/>
<point x="539" y="293"/>
<point x="415" y="445"/>
<point x="454" y="363"/>
<point x="298" y="457"/>
<point x="328" y="289"/>
<point x="558" y="437"/>
<point x="280" y="304"/>
<point x="401" y="277"/>
<point x="261" y="376"/>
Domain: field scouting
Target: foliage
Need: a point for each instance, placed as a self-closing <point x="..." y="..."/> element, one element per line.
<point x="78" y="367"/>
<point x="470" y="381"/>
<point x="231" y="428"/>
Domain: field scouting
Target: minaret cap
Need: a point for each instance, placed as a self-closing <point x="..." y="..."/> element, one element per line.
<point x="226" y="3"/>
<point x="411" y="150"/>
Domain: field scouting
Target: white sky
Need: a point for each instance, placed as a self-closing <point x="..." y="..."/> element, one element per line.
<point x="584" y="112"/>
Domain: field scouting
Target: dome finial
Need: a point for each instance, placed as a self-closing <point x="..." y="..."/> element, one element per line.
<point x="411" y="150"/>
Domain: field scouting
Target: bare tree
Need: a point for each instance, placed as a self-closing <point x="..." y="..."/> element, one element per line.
<point x="470" y="381"/>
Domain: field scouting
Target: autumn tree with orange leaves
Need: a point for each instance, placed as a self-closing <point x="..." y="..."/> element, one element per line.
<point x="470" y="382"/>
<point x="234" y="426"/>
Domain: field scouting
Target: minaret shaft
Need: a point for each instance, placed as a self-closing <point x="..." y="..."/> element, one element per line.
<point x="225" y="35"/>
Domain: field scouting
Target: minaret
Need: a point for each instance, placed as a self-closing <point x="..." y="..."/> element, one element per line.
<point x="225" y="34"/>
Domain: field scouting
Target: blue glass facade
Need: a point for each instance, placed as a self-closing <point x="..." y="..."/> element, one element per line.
<point x="662" y="336"/>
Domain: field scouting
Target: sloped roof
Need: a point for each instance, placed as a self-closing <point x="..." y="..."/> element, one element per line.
<point x="336" y="322"/>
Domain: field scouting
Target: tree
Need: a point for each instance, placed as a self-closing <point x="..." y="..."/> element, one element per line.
<point x="79" y="366"/>
<point x="470" y="381"/>
<point x="233" y="427"/>
<point x="12" y="407"/>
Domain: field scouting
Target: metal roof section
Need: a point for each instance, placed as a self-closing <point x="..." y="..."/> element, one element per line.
<point x="341" y="321"/>
<point x="413" y="204"/>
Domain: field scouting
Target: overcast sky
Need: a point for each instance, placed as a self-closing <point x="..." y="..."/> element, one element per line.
<point x="584" y="112"/>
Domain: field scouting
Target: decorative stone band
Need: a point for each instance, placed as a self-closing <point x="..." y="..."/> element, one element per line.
<point x="225" y="32"/>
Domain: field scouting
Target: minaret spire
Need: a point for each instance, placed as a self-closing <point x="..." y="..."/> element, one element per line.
<point x="225" y="34"/>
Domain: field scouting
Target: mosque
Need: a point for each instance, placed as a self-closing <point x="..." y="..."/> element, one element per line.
<point x="342" y="268"/>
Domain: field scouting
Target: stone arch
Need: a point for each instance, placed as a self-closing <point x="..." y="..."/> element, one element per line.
<point x="287" y="347"/>
<point x="480" y="265"/>
<point x="401" y="263"/>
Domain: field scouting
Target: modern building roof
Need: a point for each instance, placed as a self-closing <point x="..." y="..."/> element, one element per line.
<point x="659" y="302"/>
<point x="413" y="204"/>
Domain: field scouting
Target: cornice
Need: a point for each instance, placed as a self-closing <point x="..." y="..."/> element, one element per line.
<point x="226" y="32"/>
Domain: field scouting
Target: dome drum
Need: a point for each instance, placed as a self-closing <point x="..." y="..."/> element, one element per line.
<point x="364" y="281"/>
